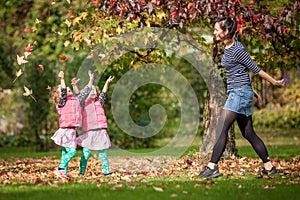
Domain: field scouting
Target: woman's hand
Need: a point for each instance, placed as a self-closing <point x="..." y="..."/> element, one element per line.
<point x="280" y="83"/>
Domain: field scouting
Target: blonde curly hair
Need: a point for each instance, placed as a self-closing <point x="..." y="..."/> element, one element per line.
<point x="56" y="94"/>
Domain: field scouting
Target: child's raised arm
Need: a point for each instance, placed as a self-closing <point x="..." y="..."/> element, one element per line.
<point x="63" y="94"/>
<point x="102" y="96"/>
<point x="91" y="75"/>
<point x="61" y="76"/>
<point x="108" y="81"/>
<point x="86" y="91"/>
<point x="74" y="82"/>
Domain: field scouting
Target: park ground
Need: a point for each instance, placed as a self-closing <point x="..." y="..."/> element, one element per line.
<point x="25" y="174"/>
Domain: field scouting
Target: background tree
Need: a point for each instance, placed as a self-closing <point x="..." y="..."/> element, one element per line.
<point x="56" y="30"/>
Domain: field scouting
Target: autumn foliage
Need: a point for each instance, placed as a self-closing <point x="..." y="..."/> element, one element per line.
<point x="130" y="170"/>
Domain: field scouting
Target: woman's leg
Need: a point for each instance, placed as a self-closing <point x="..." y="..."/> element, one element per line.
<point x="246" y="127"/>
<point x="226" y="120"/>
<point x="86" y="153"/>
<point x="104" y="160"/>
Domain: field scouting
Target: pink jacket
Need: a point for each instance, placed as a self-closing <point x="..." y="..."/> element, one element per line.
<point x="93" y="115"/>
<point x="70" y="114"/>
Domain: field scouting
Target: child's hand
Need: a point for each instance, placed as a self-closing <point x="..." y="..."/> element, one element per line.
<point x="91" y="75"/>
<point x="110" y="79"/>
<point x="61" y="75"/>
<point x="74" y="81"/>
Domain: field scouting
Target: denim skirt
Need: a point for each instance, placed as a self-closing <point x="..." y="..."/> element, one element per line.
<point x="240" y="100"/>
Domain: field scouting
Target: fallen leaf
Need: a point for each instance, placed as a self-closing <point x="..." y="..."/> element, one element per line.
<point x="158" y="189"/>
<point x="118" y="185"/>
<point x="173" y="195"/>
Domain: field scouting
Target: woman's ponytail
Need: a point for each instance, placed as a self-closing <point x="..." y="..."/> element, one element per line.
<point x="230" y="24"/>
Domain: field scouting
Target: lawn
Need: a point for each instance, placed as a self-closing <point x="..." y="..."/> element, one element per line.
<point x="25" y="174"/>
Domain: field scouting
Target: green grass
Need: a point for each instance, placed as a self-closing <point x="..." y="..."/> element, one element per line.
<point x="246" y="189"/>
<point x="182" y="187"/>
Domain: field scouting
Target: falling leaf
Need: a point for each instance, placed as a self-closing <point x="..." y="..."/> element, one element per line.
<point x="41" y="67"/>
<point x="37" y="21"/>
<point x="27" y="30"/>
<point x="18" y="74"/>
<point x="66" y="43"/>
<point x="101" y="55"/>
<point x="88" y="42"/>
<point x="58" y="33"/>
<point x="21" y="60"/>
<point x="70" y="13"/>
<point x="28" y="48"/>
<point x="28" y="92"/>
<point x="62" y="57"/>
<point x="68" y="23"/>
<point x="26" y="55"/>
<point x="48" y="88"/>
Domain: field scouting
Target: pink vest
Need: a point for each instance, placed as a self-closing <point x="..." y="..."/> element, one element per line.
<point x="93" y="115"/>
<point x="70" y="114"/>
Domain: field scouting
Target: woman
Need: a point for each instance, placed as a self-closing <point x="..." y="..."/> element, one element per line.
<point x="238" y="106"/>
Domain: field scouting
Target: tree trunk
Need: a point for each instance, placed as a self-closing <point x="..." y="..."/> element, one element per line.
<point x="212" y="111"/>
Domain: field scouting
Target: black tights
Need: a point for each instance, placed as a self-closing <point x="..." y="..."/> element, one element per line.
<point x="245" y="125"/>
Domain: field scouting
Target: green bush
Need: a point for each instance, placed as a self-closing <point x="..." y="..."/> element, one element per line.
<point x="22" y="140"/>
<point x="283" y="112"/>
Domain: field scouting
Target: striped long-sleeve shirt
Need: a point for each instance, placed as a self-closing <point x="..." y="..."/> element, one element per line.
<point x="81" y="97"/>
<point x="238" y="63"/>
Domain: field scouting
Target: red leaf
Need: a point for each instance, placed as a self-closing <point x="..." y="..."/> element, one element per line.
<point x="240" y="29"/>
<point x="62" y="57"/>
<point x="41" y="67"/>
<point x="96" y="2"/>
<point x="29" y="48"/>
<point x="48" y="88"/>
<point x="191" y="5"/>
<point x="27" y="30"/>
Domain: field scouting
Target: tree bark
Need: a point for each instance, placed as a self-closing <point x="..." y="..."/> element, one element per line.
<point x="212" y="111"/>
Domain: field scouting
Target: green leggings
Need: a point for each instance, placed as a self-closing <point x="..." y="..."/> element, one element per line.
<point x="86" y="153"/>
<point x="67" y="153"/>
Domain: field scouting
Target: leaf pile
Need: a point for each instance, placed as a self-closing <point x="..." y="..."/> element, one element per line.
<point x="132" y="170"/>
